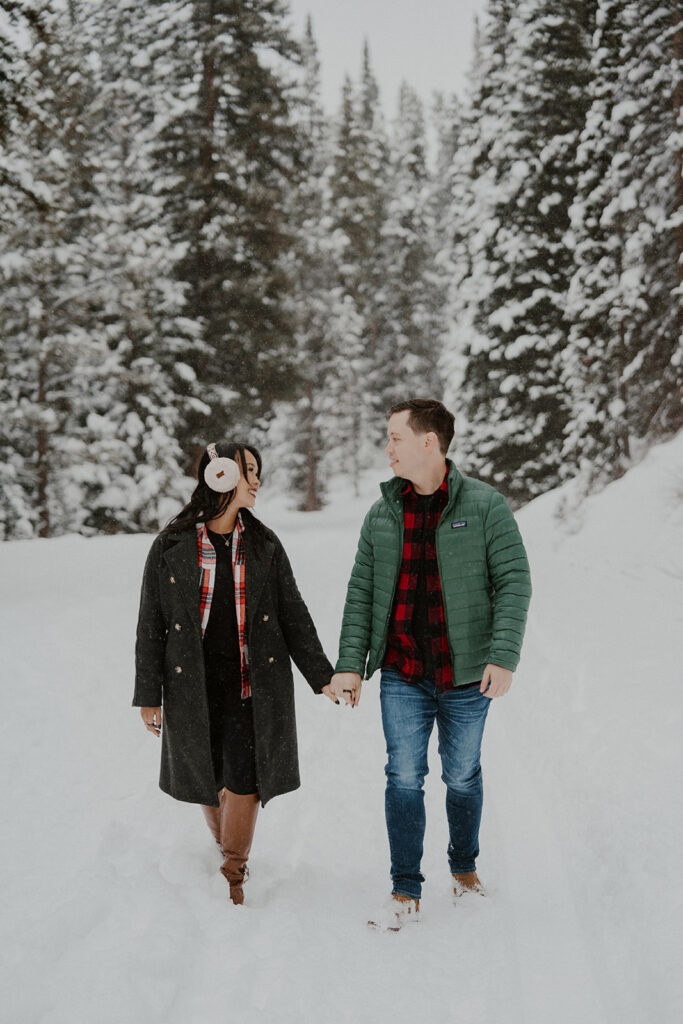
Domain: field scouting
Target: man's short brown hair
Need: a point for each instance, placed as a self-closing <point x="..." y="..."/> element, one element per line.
<point x="426" y="414"/>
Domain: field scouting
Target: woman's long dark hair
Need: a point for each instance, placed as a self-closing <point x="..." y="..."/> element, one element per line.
<point x="206" y="504"/>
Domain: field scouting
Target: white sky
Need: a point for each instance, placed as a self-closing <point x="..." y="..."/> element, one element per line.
<point x="427" y="43"/>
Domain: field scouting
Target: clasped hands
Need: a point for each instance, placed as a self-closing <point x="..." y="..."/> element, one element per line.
<point x="344" y="686"/>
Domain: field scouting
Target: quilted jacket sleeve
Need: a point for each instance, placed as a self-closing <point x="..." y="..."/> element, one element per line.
<point x="354" y="641"/>
<point x="509" y="572"/>
<point x="151" y="636"/>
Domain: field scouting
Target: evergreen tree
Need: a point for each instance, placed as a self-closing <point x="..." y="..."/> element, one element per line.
<point x="477" y="189"/>
<point x="410" y="294"/>
<point x="298" y="437"/>
<point x="143" y="385"/>
<point x="48" y="271"/>
<point x="16" y="513"/>
<point x="652" y="66"/>
<point x="516" y="405"/>
<point x="225" y="158"/>
<point x="358" y="205"/>
<point x="596" y="355"/>
<point x="624" y="361"/>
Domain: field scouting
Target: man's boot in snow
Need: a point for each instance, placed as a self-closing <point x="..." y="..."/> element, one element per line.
<point x="237" y="814"/>
<point x="467" y="883"/>
<point x="396" y="912"/>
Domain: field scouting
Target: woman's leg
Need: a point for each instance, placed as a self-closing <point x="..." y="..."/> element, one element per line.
<point x="212" y="816"/>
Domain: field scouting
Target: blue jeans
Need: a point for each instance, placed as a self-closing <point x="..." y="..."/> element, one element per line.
<point x="408" y="714"/>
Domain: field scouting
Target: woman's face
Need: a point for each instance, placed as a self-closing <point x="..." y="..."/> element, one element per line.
<point x="249" y="483"/>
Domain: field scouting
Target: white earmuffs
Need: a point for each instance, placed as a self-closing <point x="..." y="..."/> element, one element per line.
<point x="221" y="474"/>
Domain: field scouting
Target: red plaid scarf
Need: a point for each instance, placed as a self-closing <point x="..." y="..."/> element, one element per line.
<point x="419" y="531"/>
<point x="207" y="577"/>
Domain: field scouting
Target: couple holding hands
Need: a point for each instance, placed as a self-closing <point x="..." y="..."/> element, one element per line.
<point x="437" y="600"/>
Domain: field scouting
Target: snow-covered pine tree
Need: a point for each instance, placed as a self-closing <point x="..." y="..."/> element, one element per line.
<point x="598" y="305"/>
<point x="516" y="405"/>
<point x="131" y="475"/>
<point x="652" y="60"/>
<point x="446" y="118"/>
<point x="302" y="433"/>
<point x="476" y="190"/>
<point x="411" y="298"/>
<point x="225" y="158"/>
<point x="624" y="360"/>
<point x="357" y="187"/>
<point x="448" y="213"/>
<point x="17" y="515"/>
<point x="48" y="270"/>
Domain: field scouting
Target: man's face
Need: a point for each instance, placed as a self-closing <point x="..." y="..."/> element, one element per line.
<point x="406" y="449"/>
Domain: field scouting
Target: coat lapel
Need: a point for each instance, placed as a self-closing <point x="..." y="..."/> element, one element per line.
<point x="258" y="558"/>
<point x="183" y="563"/>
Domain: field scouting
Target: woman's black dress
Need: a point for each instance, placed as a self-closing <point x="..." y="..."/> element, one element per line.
<point x="230" y="718"/>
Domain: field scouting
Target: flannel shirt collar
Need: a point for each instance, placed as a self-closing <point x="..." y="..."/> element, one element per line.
<point x="409" y="489"/>
<point x="391" y="489"/>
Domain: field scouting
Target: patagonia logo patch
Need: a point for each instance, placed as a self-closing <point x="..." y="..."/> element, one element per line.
<point x="460" y="522"/>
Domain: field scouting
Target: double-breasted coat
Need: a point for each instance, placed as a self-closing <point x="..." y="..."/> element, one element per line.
<point x="170" y="661"/>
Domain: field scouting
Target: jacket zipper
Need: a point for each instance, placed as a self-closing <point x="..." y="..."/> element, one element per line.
<point x="443" y="599"/>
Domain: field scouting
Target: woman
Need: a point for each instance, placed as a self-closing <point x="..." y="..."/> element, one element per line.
<point x="220" y="615"/>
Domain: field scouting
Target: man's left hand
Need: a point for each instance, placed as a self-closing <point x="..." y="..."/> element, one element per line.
<point x="496" y="681"/>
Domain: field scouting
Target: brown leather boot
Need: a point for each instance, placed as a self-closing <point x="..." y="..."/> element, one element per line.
<point x="237" y="823"/>
<point x="467" y="883"/>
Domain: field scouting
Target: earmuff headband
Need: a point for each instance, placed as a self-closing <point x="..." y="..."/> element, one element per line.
<point x="221" y="474"/>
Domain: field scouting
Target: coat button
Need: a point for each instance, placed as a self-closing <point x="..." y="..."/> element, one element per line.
<point x="265" y="618"/>
<point x="271" y="660"/>
<point x="178" y="668"/>
<point x="172" y="579"/>
<point x="178" y="626"/>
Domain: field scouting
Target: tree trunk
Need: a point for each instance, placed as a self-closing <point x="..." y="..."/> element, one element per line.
<point x="312" y="500"/>
<point x="41" y="434"/>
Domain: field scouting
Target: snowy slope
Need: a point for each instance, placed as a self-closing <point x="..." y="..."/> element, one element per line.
<point x="112" y="906"/>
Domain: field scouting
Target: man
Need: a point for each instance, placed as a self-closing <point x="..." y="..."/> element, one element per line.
<point x="437" y="599"/>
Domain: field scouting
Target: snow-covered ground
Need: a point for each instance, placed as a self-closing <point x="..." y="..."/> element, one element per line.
<point x="112" y="907"/>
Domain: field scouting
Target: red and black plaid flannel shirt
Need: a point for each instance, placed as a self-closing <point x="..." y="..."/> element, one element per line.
<point x="403" y="651"/>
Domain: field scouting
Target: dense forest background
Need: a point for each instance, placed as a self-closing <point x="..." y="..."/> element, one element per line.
<point x="192" y="249"/>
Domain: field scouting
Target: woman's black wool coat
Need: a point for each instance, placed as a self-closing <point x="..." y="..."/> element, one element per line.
<point x="170" y="662"/>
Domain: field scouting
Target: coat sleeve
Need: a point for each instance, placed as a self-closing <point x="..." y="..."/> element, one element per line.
<point x="354" y="640"/>
<point x="509" y="572"/>
<point x="298" y="629"/>
<point x="151" y="636"/>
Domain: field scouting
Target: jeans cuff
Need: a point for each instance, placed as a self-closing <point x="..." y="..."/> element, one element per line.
<point x="462" y="869"/>
<point x="400" y="890"/>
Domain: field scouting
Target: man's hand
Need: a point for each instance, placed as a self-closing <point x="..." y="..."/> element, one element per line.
<point x="346" y="686"/>
<point x="327" y="690"/>
<point x="152" y="719"/>
<point x="497" y="679"/>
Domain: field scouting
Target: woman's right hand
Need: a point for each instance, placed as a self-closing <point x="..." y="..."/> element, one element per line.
<point x="152" y="719"/>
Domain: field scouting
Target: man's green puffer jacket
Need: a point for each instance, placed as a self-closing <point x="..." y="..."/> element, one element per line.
<point x="484" y="574"/>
